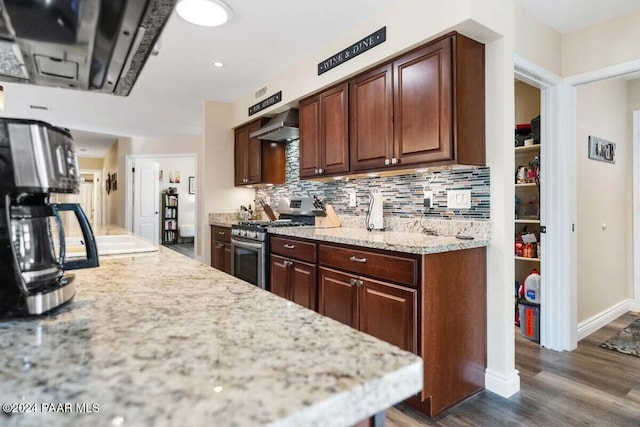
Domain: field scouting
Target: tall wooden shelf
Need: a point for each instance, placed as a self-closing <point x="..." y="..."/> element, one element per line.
<point x="169" y="223"/>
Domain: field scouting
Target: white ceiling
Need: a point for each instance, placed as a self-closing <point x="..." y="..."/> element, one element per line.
<point x="570" y="15"/>
<point x="262" y="39"/>
<point x="92" y="144"/>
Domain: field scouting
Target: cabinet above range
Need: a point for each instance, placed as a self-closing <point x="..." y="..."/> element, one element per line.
<point x="257" y="161"/>
<point x="421" y="109"/>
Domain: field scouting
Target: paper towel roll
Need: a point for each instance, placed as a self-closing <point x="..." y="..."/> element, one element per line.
<point x="375" y="219"/>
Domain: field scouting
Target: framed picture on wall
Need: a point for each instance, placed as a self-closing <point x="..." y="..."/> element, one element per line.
<point x="602" y="150"/>
<point x="192" y="185"/>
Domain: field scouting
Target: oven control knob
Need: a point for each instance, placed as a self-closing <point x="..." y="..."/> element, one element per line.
<point x="252" y="234"/>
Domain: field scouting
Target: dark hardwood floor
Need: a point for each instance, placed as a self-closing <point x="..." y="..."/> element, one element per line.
<point x="183" y="248"/>
<point x="588" y="386"/>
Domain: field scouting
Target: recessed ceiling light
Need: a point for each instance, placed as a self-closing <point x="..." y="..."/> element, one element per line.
<point x="207" y="13"/>
<point x="218" y="64"/>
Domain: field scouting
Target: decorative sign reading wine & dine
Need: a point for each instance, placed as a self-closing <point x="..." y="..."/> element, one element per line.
<point x="354" y="50"/>
<point x="272" y="100"/>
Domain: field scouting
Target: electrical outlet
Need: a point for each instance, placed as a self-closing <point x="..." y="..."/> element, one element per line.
<point x="459" y="199"/>
<point x="428" y="199"/>
<point x="352" y="200"/>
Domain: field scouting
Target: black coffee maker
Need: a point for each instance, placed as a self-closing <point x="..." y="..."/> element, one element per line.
<point x="37" y="159"/>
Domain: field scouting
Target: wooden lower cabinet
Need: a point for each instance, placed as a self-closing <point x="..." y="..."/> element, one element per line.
<point x="221" y="248"/>
<point x="294" y="280"/>
<point x="381" y="309"/>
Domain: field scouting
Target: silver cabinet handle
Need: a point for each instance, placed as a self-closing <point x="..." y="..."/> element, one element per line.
<point x="220" y="245"/>
<point x="288" y="246"/>
<point x="288" y="263"/>
<point x="221" y="233"/>
<point x="356" y="282"/>
<point x="356" y="259"/>
<point x="394" y="161"/>
<point x="320" y="170"/>
<point x="386" y="162"/>
<point x="316" y="171"/>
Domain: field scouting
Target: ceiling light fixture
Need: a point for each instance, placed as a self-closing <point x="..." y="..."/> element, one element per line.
<point x="206" y="13"/>
<point x="218" y="64"/>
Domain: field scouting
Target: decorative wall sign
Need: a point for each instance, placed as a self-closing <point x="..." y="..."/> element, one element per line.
<point x="369" y="42"/>
<point x="268" y="102"/>
<point x="602" y="150"/>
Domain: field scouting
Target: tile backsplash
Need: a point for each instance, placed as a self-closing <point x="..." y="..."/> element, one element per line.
<point x="403" y="195"/>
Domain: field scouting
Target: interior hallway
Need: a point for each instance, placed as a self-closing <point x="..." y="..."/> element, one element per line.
<point x="588" y="386"/>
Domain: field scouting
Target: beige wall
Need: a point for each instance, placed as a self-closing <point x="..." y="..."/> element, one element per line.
<point x="604" y="198"/>
<point x="217" y="165"/>
<point x="634" y="98"/>
<point x="527" y="103"/>
<point x="536" y="41"/>
<point x="601" y="45"/>
<point x="90" y="163"/>
<point x="110" y="165"/>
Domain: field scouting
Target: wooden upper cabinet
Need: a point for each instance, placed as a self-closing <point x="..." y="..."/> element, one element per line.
<point x="254" y="156"/>
<point x="423" y="105"/>
<point x="309" y="116"/>
<point x="371" y="114"/>
<point x="334" y="147"/>
<point x="324" y="133"/>
<point x="241" y="155"/>
<point x="257" y="161"/>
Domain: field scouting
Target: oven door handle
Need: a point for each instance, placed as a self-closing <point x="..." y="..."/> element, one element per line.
<point x="246" y="245"/>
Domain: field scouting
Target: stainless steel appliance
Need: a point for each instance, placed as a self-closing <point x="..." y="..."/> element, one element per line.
<point x="37" y="159"/>
<point x="97" y="45"/>
<point x="250" y="250"/>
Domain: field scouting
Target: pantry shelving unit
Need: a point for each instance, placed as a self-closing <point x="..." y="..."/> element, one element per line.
<point x="169" y="222"/>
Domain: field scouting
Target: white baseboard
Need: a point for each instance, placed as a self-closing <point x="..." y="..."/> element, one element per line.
<point x="505" y="386"/>
<point x="605" y="317"/>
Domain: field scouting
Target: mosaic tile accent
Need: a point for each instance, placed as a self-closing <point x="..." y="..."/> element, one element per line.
<point x="403" y="195"/>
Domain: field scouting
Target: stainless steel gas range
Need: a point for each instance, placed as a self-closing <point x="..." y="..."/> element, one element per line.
<point x="250" y="250"/>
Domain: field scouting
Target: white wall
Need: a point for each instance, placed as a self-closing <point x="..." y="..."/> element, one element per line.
<point x="217" y="166"/>
<point x="527" y="102"/>
<point x="604" y="198"/>
<point x="536" y="41"/>
<point x="601" y="45"/>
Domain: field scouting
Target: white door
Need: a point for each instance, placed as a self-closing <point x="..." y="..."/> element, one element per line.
<point x="87" y="201"/>
<point x="146" y="200"/>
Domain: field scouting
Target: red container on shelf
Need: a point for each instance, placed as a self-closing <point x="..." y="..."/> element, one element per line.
<point x="519" y="248"/>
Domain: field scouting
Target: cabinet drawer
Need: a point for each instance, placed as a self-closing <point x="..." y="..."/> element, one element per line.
<point x="293" y="248"/>
<point x="381" y="266"/>
<point x="221" y="234"/>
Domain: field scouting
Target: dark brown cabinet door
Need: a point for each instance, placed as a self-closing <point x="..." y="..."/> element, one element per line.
<point x="338" y="296"/>
<point x="279" y="276"/>
<point x="241" y="155"/>
<point x="388" y="312"/>
<point x="303" y="284"/>
<point x="423" y="108"/>
<point x="371" y="114"/>
<point x="254" y="155"/>
<point x="334" y="146"/>
<point x="218" y="255"/>
<point x="226" y="263"/>
<point x="309" y="115"/>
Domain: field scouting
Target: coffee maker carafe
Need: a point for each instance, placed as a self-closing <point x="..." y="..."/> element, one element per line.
<point x="36" y="160"/>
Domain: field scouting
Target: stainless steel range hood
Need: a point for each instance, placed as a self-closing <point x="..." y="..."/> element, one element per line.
<point x="283" y="127"/>
<point x="95" y="45"/>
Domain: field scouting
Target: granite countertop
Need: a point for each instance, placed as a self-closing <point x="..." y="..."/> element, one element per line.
<point x="415" y="243"/>
<point x="160" y="339"/>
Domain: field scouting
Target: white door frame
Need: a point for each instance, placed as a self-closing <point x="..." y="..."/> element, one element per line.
<point x="102" y="206"/>
<point x="636" y="210"/>
<point x="128" y="192"/>
<point x="558" y="301"/>
<point x="572" y="83"/>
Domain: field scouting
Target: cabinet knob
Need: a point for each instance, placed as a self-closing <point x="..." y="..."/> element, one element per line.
<point x="316" y="171"/>
<point x="386" y="162"/>
<point x="320" y="170"/>
<point x="356" y="282"/>
<point x="394" y="161"/>
<point x="356" y="259"/>
<point x="221" y="233"/>
<point x="288" y="246"/>
<point x="288" y="263"/>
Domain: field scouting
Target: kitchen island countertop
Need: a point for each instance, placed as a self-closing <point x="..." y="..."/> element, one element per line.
<point x="415" y="243"/>
<point x="160" y="339"/>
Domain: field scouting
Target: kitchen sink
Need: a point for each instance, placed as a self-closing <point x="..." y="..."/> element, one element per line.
<point x="110" y="245"/>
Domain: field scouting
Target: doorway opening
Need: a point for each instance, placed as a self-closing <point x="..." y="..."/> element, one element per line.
<point x="89" y="197"/>
<point x="161" y="199"/>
